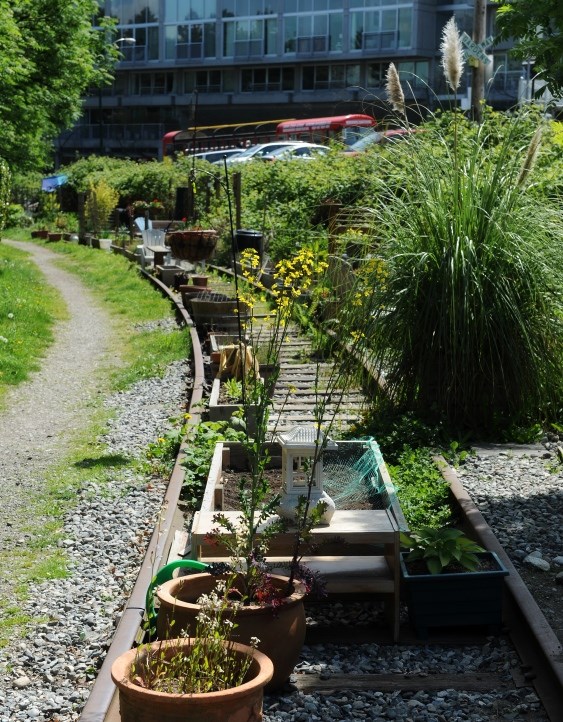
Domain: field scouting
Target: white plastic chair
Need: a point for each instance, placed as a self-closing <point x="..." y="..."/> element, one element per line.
<point x="141" y="223"/>
<point x="153" y="237"/>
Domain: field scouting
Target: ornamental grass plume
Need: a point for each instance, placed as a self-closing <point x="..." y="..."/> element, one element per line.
<point x="395" y="93"/>
<point x="531" y="156"/>
<point x="452" y="54"/>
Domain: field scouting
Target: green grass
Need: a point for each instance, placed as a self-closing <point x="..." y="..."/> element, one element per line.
<point x="29" y="308"/>
<point x="143" y="351"/>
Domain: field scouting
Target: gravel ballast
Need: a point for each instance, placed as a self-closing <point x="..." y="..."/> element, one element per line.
<point x="48" y="675"/>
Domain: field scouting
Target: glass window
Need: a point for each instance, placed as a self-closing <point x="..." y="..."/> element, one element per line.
<point x="376" y="75"/>
<point x="228" y="8"/>
<point x="388" y="20"/>
<point x="308" y="78"/>
<point x="229" y="81"/>
<point x="151" y="10"/>
<point x="335" y="31"/>
<point x="352" y="75"/>
<point x="152" y="53"/>
<point x="209" y="42"/>
<point x="320" y="24"/>
<point x="290" y="35"/>
<point x="229" y="39"/>
<point x="171" y="10"/>
<point x="405" y="27"/>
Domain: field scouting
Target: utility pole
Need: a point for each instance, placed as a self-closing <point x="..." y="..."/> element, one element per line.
<point x="478" y="68"/>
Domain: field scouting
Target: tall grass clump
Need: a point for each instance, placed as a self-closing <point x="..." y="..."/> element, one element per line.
<point x="468" y="324"/>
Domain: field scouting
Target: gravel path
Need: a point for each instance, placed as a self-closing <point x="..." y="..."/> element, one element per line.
<point x="42" y="412"/>
<point x="47" y="676"/>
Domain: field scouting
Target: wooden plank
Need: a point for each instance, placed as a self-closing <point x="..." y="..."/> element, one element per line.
<point x="474" y="682"/>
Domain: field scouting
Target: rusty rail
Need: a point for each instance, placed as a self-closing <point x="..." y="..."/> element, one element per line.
<point x="101" y="703"/>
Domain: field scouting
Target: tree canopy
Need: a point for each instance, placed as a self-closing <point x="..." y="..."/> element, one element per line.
<point x="50" y="54"/>
<point x="537" y="28"/>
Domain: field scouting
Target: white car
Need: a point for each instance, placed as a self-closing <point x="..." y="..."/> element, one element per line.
<point x="260" y="150"/>
<point x="303" y="151"/>
<point x="215" y="156"/>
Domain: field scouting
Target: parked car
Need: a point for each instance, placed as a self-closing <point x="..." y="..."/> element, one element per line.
<point x="215" y="156"/>
<point x="375" y="138"/>
<point x="304" y="151"/>
<point x="262" y="149"/>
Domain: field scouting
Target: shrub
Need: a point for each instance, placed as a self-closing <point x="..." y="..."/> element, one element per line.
<point x="100" y="202"/>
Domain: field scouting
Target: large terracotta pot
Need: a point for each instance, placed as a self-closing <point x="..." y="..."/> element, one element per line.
<point x="192" y="245"/>
<point x="281" y="631"/>
<point x="238" y="704"/>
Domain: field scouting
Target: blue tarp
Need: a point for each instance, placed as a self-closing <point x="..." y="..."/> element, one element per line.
<point x="53" y="182"/>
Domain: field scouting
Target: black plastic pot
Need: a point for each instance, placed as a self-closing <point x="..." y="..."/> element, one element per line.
<point x="458" y="599"/>
<point x="245" y="238"/>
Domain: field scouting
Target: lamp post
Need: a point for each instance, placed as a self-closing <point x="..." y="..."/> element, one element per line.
<point x="117" y="43"/>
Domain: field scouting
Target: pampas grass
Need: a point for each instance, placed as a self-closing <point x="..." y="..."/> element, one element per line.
<point x="452" y="54"/>
<point x="395" y="93"/>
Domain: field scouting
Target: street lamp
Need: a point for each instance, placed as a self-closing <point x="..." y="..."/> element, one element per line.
<point x="120" y="41"/>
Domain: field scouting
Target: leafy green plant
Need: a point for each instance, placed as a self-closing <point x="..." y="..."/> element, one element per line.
<point x="162" y="453"/>
<point x="199" y="448"/>
<point x="467" y="326"/>
<point x="233" y="389"/>
<point x="422" y="491"/>
<point x="100" y="202"/>
<point x="440" y="548"/>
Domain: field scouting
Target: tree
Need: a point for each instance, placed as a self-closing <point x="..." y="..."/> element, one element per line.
<point x="537" y="28"/>
<point x="50" y="55"/>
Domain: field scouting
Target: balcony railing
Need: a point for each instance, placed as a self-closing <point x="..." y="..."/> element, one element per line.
<point x="312" y="44"/>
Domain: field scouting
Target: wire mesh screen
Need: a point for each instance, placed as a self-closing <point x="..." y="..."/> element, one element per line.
<point x="352" y="475"/>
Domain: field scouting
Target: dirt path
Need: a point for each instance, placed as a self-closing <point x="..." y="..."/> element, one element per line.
<point x="41" y="413"/>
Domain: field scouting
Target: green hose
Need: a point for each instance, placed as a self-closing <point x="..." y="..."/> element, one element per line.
<point x="164" y="575"/>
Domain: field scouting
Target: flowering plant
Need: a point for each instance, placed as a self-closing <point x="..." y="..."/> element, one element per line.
<point x="142" y="207"/>
<point x="247" y="539"/>
<point x="209" y="664"/>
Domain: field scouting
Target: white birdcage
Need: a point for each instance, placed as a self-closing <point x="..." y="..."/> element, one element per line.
<point x="299" y="449"/>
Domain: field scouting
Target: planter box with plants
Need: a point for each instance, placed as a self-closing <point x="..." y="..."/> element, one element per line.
<point x="451" y="581"/>
<point x="358" y="552"/>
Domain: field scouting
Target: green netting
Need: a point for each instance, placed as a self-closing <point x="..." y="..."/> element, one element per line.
<point x="352" y="475"/>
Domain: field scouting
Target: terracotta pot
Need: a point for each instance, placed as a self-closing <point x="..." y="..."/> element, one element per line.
<point x="41" y="233"/>
<point x="281" y="631"/>
<point x="200" y="281"/>
<point x="238" y="704"/>
<point x="192" y="245"/>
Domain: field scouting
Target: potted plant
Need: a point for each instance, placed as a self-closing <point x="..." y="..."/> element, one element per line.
<point x="206" y="677"/>
<point x="192" y="244"/>
<point x="450" y="580"/>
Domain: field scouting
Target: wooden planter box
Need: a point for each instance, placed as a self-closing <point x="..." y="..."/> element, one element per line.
<point x="224" y="412"/>
<point x="457" y="599"/>
<point x="168" y="273"/>
<point x="223" y="315"/>
<point x="357" y="553"/>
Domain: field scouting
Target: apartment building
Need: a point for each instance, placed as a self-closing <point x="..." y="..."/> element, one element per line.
<point x="207" y="62"/>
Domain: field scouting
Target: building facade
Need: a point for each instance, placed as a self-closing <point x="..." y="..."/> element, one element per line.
<point x="206" y="62"/>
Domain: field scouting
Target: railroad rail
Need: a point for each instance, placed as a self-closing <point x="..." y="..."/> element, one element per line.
<point x="536" y="643"/>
